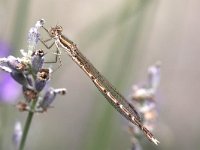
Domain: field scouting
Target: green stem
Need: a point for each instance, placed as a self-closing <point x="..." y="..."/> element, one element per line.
<point x="27" y="125"/>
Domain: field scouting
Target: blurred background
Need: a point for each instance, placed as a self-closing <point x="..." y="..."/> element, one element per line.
<point x="121" y="38"/>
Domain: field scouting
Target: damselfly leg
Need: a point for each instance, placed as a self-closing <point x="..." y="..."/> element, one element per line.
<point x="57" y="53"/>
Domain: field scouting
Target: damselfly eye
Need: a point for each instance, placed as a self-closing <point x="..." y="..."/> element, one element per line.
<point x="54" y="31"/>
<point x="59" y="28"/>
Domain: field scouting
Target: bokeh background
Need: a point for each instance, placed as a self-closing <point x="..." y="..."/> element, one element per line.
<point x="122" y="38"/>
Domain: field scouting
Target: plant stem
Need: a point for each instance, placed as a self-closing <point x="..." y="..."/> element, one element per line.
<point x="27" y="125"/>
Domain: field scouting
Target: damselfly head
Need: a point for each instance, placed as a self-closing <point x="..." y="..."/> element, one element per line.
<point x="55" y="31"/>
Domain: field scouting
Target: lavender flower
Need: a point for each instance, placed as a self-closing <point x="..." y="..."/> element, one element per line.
<point x="28" y="71"/>
<point x="145" y="102"/>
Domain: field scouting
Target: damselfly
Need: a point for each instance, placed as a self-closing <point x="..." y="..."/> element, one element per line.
<point x="103" y="85"/>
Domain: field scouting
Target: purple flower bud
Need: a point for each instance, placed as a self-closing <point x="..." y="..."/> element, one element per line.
<point x="17" y="134"/>
<point x="15" y="64"/>
<point x="142" y="94"/>
<point x="61" y="91"/>
<point x="50" y="96"/>
<point x="33" y="37"/>
<point x="30" y="80"/>
<point x="6" y="69"/>
<point x="37" y="60"/>
<point x="39" y="23"/>
<point x="48" y="99"/>
<point x="12" y="63"/>
<point x="42" y="78"/>
<point x="154" y="76"/>
<point x="19" y="77"/>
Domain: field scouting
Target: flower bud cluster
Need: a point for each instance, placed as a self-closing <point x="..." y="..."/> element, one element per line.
<point x="144" y="98"/>
<point x="30" y="73"/>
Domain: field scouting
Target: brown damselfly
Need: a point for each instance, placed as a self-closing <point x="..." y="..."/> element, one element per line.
<point x="104" y="86"/>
